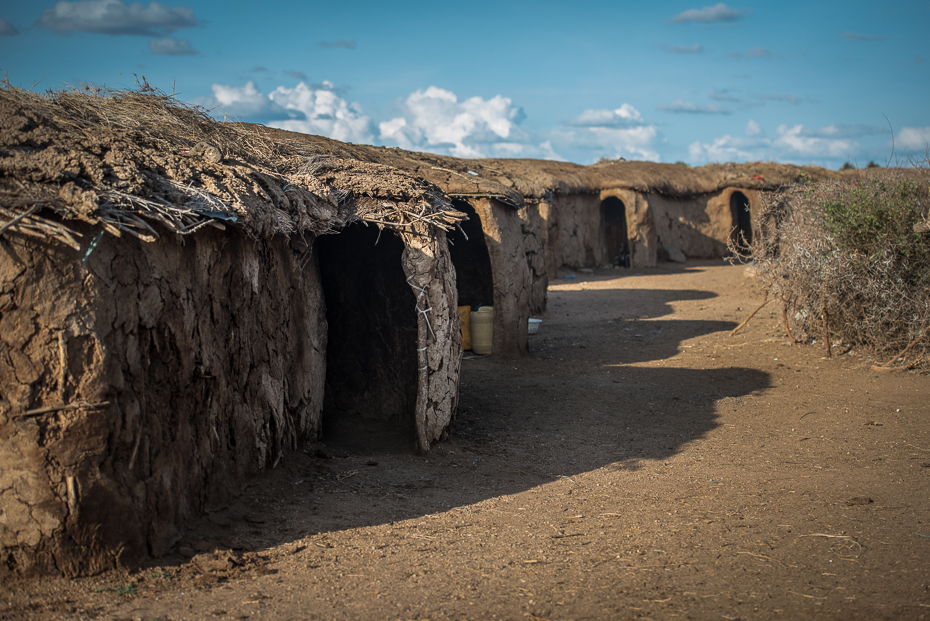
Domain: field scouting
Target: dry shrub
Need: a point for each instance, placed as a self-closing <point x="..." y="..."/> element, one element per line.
<point x="847" y="260"/>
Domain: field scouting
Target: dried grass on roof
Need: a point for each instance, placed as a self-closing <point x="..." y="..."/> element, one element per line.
<point x="140" y="161"/>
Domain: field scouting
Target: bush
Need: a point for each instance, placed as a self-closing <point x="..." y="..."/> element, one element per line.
<point x="845" y="259"/>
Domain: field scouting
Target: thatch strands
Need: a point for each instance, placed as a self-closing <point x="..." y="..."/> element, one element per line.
<point x="141" y="162"/>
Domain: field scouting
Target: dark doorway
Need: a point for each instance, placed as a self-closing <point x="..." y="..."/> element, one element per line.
<point x="371" y="359"/>
<point x="473" y="278"/>
<point x="741" y="229"/>
<point x="616" y="239"/>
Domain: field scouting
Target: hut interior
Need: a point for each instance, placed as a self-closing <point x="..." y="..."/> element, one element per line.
<point x="371" y="371"/>
<point x="616" y="238"/>
<point x="469" y="251"/>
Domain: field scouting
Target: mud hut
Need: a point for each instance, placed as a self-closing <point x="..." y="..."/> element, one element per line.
<point x="504" y="265"/>
<point x="182" y="301"/>
<point x="621" y="212"/>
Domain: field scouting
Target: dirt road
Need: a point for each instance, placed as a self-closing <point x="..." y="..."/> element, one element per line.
<point x="639" y="464"/>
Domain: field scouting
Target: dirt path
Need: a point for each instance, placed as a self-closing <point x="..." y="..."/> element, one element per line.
<point x="640" y="463"/>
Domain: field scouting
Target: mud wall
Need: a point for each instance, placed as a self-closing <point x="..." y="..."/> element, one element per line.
<point x="698" y="225"/>
<point x="141" y="384"/>
<point x="640" y="226"/>
<point x="535" y="236"/>
<point x="431" y="276"/>
<point x="575" y="236"/>
<point x="504" y="237"/>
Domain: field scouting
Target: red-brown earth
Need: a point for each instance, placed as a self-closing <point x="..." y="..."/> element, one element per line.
<point x="639" y="463"/>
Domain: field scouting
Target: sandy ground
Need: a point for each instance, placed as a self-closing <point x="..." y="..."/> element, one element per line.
<point x="640" y="463"/>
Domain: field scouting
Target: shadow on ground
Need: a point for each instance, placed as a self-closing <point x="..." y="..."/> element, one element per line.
<point x="598" y="390"/>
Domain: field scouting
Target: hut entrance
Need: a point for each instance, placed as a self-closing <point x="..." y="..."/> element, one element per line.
<point x="371" y="359"/>
<point x="613" y="224"/>
<point x="473" y="278"/>
<point x="741" y="230"/>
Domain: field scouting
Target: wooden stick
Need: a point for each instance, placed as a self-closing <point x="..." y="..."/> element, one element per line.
<point x="826" y="335"/>
<point x="908" y="348"/>
<point x="784" y="316"/>
<point x="765" y="300"/>
<point x="21" y="216"/>
<point x="79" y="405"/>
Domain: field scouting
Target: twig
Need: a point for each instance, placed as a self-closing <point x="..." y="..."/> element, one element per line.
<point x="908" y="348"/>
<point x="784" y="316"/>
<point x="78" y="405"/>
<point x="826" y="335"/>
<point x="765" y="300"/>
<point x="661" y="566"/>
<point x="21" y="216"/>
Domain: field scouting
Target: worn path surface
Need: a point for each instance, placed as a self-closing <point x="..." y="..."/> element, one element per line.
<point x="641" y="463"/>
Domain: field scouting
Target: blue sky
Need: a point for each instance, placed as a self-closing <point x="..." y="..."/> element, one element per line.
<point x="801" y="82"/>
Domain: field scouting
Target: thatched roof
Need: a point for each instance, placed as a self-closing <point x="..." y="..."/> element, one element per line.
<point x="134" y="160"/>
<point x="514" y="180"/>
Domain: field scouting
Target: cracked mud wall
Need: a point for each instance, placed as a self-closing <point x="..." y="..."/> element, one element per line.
<point x="431" y="275"/>
<point x="534" y="243"/>
<point x="503" y="234"/>
<point x="202" y="359"/>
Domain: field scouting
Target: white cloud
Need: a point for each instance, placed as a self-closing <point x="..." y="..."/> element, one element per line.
<point x="913" y="138"/>
<point x="239" y="102"/>
<point x="796" y="140"/>
<point x="435" y="120"/>
<point x="325" y="113"/>
<point x="680" y="106"/>
<point x="794" y="143"/>
<point x="717" y="13"/>
<point x="7" y="29"/>
<point x="171" y="46"/>
<point x="116" y="18"/>
<point x="610" y="133"/>
<point x="625" y="115"/>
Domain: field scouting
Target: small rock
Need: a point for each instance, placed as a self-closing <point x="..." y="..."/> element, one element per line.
<point x="859" y="500"/>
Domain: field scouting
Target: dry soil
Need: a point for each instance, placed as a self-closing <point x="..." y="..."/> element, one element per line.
<point x="640" y="463"/>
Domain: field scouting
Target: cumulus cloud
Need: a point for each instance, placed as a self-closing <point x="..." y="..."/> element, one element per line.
<point x="7" y="29"/>
<point x="240" y="102"/>
<point x="297" y="75"/>
<point x="435" y="120"/>
<point x="680" y="106"/>
<point x="349" y="45"/>
<point x="794" y="142"/>
<point x="717" y="13"/>
<point x="324" y="112"/>
<point x="114" y="17"/>
<point x="623" y="116"/>
<point x="621" y="132"/>
<point x="913" y="138"/>
<point x="855" y="36"/>
<point x="316" y="109"/>
<point x="697" y="48"/>
<point x="171" y="46"/>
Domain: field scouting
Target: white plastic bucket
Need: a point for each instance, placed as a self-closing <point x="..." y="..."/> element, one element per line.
<point x="482" y="330"/>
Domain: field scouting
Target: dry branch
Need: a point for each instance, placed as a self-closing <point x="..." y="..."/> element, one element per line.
<point x="765" y="300"/>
